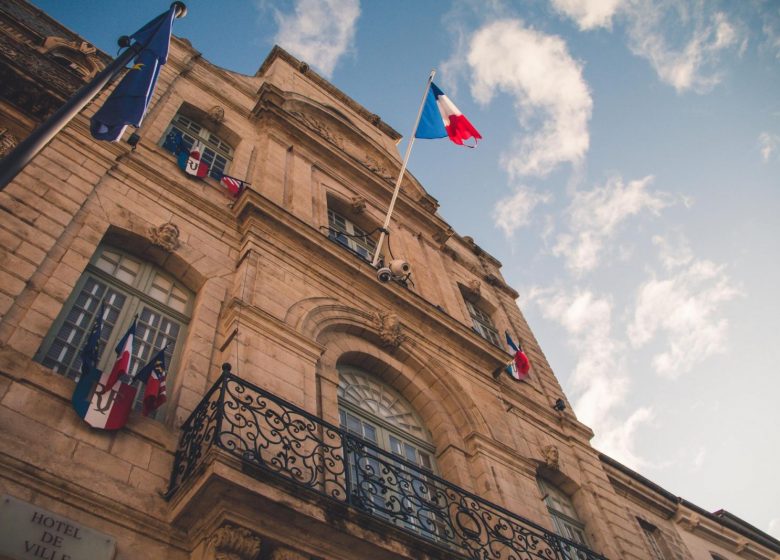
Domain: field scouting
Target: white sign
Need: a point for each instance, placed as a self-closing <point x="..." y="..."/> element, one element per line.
<point x="28" y="532"/>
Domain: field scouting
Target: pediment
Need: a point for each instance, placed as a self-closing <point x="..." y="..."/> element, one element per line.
<point x="350" y="137"/>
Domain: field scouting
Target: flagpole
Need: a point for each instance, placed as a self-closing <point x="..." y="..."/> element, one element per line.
<point x="384" y="231"/>
<point x="22" y="154"/>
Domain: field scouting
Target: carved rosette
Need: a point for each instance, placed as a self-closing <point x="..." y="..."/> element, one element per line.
<point x="231" y="542"/>
<point x="389" y="328"/>
<point x="551" y="457"/>
<point x="166" y="236"/>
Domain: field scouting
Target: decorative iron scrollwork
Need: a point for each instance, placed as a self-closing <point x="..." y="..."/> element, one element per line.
<point x="286" y="441"/>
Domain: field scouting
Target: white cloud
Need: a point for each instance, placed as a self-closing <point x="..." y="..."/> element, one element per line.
<point x="619" y="440"/>
<point x="682" y="39"/>
<point x="673" y="253"/>
<point x="768" y="144"/>
<point x="599" y="384"/>
<point x="515" y="211"/>
<point x="589" y="14"/>
<point x="319" y="31"/>
<point x="684" y="308"/>
<point x="550" y="94"/>
<point x="773" y="527"/>
<point x="595" y="216"/>
<point x="691" y="65"/>
<point x="698" y="460"/>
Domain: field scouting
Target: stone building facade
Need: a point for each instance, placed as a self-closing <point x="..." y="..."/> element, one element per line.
<point x="352" y="418"/>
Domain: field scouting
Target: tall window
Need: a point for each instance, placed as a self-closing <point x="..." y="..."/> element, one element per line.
<point x="654" y="539"/>
<point x="217" y="153"/>
<point x="350" y="235"/>
<point x="374" y="412"/>
<point x="563" y="515"/>
<point x="482" y="323"/>
<point x="127" y="286"/>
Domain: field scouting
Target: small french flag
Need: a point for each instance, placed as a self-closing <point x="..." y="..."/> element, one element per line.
<point x="442" y="119"/>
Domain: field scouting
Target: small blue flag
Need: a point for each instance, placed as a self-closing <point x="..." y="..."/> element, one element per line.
<point x="127" y="104"/>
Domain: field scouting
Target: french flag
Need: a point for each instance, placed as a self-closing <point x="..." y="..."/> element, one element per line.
<point x="441" y="119"/>
<point x="519" y="367"/>
<point x="124" y="351"/>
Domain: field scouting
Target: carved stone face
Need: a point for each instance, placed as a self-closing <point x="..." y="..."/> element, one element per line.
<point x="169" y="232"/>
<point x="165" y="236"/>
<point x="551" y="456"/>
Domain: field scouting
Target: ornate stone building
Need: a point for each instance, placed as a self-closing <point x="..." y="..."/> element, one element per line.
<point x="352" y="419"/>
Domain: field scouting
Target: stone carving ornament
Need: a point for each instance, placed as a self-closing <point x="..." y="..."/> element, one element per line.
<point x="358" y="204"/>
<point x="551" y="457"/>
<point x="166" y="236"/>
<point x="231" y="542"/>
<point x="389" y="329"/>
<point x="320" y="128"/>
<point x="216" y="114"/>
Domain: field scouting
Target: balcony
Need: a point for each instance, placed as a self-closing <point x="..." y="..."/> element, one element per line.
<point x="275" y="440"/>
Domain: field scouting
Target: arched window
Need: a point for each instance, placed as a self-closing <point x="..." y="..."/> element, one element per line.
<point x="217" y="153"/>
<point x="128" y="286"/>
<point x="380" y="483"/>
<point x="563" y="514"/>
<point x="372" y="410"/>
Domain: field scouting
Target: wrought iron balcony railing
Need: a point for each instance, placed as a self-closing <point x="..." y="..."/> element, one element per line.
<point x="285" y="441"/>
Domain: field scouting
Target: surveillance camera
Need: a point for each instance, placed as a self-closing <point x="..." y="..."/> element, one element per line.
<point x="400" y="268"/>
<point x="384" y="274"/>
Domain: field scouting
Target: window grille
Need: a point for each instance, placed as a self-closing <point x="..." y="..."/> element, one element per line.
<point x="127" y="286"/>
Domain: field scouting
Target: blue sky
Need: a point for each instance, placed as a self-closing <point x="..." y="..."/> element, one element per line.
<point x="629" y="180"/>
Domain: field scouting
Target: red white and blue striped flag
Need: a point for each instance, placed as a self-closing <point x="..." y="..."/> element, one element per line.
<point x="441" y="119"/>
<point x="519" y="367"/>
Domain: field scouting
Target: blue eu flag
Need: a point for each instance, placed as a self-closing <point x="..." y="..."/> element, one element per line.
<point x="127" y="104"/>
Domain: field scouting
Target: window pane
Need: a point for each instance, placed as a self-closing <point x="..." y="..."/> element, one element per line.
<point x="350" y="235"/>
<point x="154" y="331"/>
<point x="64" y="354"/>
